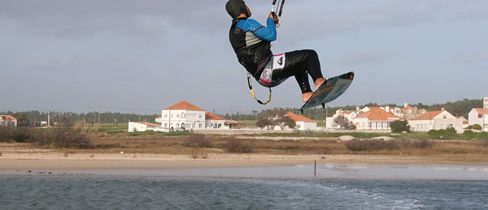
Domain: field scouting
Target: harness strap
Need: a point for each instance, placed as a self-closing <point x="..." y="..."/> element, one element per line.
<point x="253" y="94"/>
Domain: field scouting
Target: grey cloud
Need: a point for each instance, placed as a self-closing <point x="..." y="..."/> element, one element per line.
<point x="318" y="22"/>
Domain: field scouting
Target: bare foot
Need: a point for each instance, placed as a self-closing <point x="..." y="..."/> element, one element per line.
<point x="318" y="82"/>
<point x="307" y="96"/>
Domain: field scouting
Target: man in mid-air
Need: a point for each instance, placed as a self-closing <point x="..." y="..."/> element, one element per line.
<point x="252" y="44"/>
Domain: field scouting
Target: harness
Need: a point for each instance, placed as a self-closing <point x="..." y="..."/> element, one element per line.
<point x="277" y="8"/>
<point x="253" y="94"/>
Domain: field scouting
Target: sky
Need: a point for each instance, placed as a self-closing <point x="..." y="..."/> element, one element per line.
<point x="141" y="56"/>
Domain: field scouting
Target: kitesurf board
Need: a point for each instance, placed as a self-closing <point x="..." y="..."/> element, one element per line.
<point x="329" y="91"/>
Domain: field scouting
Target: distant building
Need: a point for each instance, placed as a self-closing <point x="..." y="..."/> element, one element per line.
<point x="479" y="116"/>
<point x="436" y="120"/>
<point x="374" y="118"/>
<point x="302" y="123"/>
<point x="8" y="121"/>
<point x="411" y="112"/>
<point x="183" y="115"/>
<point x="214" y="121"/>
<point x="485" y="103"/>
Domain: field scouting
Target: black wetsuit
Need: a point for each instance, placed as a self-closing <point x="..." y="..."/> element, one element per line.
<point x="252" y="44"/>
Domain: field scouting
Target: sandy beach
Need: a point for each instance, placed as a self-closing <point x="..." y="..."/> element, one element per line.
<point x="51" y="160"/>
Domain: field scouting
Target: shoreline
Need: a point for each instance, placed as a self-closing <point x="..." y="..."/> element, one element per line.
<point x="86" y="161"/>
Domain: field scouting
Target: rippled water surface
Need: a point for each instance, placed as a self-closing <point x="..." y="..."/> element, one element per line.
<point x="72" y="191"/>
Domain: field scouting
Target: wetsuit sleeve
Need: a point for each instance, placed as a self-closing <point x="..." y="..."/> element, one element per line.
<point x="267" y="33"/>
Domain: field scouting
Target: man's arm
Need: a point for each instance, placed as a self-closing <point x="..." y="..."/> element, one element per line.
<point x="267" y="33"/>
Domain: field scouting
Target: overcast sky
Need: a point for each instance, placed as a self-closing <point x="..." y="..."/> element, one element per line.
<point x="140" y="56"/>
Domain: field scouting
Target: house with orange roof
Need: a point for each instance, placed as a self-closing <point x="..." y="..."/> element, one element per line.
<point x="479" y="116"/>
<point x="214" y="121"/>
<point x="436" y="120"/>
<point x="302" y="123"/>
<point x="183" y="116"/>
<point x="8" y="121"/>
<point x="374" y="118"/>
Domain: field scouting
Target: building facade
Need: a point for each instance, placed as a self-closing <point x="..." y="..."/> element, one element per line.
<point x="375" y="118"/>
<point x="8" y="121"/>
<point x="183" y="116"/>
<point x="302" y="123"/>
<point x="479" y="116"/>
<point x="214" y="121"/>
<point x="436" y="120"/>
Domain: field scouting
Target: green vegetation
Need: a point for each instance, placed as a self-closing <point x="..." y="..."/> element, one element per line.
<point x="400" y="126"/>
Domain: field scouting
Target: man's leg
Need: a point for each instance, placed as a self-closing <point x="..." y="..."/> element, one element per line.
<point x="299" y="64"/>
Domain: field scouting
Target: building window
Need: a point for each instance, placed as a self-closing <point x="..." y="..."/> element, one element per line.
<point x="200" y="125"/>
<point x="182" y="115"/>
<point x="165" y="125"/>
<point x="177" y="125"/>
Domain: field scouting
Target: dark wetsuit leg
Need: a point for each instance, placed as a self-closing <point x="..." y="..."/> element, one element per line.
<point x="300" y="63"/>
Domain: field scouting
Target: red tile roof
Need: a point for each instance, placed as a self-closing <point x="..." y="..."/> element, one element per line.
<point x="377" y="113"/>
<point x="212" y="116"/>
<point x="428" y="115"/>
<point x="482" y="111"/>
<point x="298" y="118"/>
<point x="8" y="118"/>
<point x="184" y="105"/>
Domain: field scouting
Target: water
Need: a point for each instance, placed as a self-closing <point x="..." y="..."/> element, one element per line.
<point x="233" y="188"/>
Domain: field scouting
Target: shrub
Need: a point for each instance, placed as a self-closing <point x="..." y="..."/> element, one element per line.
<point x="22" y="134"/>
<point x="400" y="126"/>
<point x="198" y="141"/>
<point x="423" y="144"/>
<point x="238" y="146"/>
<point x="60" y="138"/>
<point x="474" y="127"/>
<point x="449" y="133"/>
<point x="376" y="145"/>
<point x="371" y="145"/>
<point x="69" y="138"/>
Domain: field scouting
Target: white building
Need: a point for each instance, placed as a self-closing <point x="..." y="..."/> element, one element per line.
<point x="374" y="118"/>
<point x="183" y="115"/>
<point x="436" y="120"/>
<point x="214" y="121"/>
<point x="8" y="121"/>
<point x="302" y="123"/>
<point x="479" y="116"/>
<point x="144" y="126"/>
<point x="485" y="103"/>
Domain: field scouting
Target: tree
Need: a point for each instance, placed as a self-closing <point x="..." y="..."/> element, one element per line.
<point x="274" y="117"/>
<point x="344" y="123"/>
<point x="400" y="126"/>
